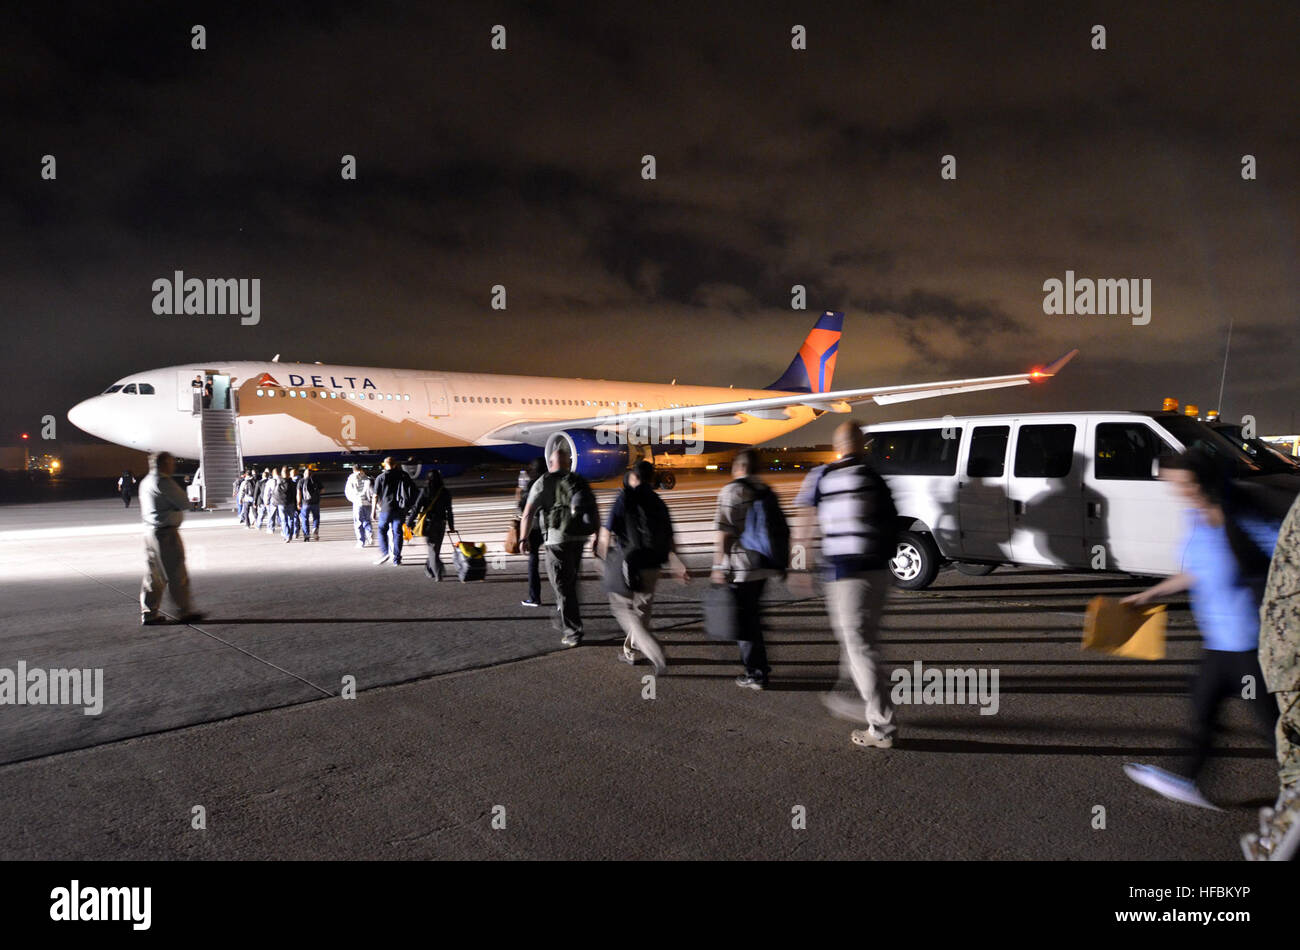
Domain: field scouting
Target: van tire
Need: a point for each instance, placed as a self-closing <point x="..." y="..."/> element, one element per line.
<point x="972" y="569"/>
<point x="915" y="564"/>
<point x="667" y="481"/>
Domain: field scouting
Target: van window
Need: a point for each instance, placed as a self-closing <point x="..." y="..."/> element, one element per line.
<point x="914" y="452"/>
<point x="988" y="451"/>
<point x="1128" y="450"/>
<point x="1045" y="451"/>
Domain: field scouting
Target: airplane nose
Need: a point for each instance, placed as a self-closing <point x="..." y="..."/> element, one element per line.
<point x="82" y="415"/>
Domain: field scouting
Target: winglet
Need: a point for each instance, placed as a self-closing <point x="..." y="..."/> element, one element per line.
<point x="1051" y="369"/>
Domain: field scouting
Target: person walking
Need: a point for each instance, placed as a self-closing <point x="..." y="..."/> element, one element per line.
<point x="635" y="543"/>
<point x="853" y="506"/>
<point x="162" y="508"/>
<point x="746" y="570"/>
<point x="433" y="505"/>
<point x="1226" y="553"/>
<point x="270" y="510"/>
<point x="126" y="487"/>
<point x="530" y="535"/>
<point x="566" y="507"/>
<point x="282" y="493"/>
<point x="309" y="496"/>
<point x="394" y="492"/>
<point x="358" y="490"/>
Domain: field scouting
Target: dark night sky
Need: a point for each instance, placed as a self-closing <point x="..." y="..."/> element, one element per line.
<point x="775" y="167"/>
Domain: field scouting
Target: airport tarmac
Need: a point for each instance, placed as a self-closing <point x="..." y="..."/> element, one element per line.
<point x="468" y="714"/>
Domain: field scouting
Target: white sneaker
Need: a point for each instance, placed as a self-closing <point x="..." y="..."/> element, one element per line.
<point x="361" y="544"/>
<point x="383" y="560"/>
<point x="1171" y="786"/>
<point x="871" y="739"/>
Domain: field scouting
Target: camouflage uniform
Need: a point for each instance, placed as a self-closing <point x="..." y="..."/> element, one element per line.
<point x="1279" y="645"/>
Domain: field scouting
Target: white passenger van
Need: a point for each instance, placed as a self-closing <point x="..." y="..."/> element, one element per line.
<point x="1075" y="490"/>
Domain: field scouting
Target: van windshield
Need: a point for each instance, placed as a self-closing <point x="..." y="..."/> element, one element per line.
<point x="1193" y="433"/>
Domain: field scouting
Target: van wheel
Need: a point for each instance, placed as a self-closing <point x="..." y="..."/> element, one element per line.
<point x="915" y="563"/>
<point x="668" y="481"/>
<point x="975" y="570"/>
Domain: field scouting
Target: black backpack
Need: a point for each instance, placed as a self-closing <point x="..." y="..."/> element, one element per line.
<point x="310" y="491"/>
<point x="648" y="528"/>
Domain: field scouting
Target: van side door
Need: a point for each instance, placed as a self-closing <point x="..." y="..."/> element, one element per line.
<point x="1046" y="492"/>
<point x="1133" y="520"/>
<point x="983" y="508"/>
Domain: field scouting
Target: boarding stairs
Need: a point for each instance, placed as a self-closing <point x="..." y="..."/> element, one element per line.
<point x="219" y="457"/>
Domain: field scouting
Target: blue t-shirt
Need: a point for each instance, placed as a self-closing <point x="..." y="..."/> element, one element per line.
<point x="1226" y="608"/>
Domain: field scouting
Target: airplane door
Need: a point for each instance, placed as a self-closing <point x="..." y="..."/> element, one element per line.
<point x="436" y="391"/>
<point x="983" y="509"/>
<point x="1046" y="492"/>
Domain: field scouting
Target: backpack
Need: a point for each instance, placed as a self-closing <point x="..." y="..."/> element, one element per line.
<point x="648" y="528"/>
<point x="767" y="533"/>
<point x="310" y="491"/>
<point x="404" y="486"/>
<point x="573" y="511"/>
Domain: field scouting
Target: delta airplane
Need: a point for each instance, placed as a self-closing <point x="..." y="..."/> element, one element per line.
<point x="289" y="412"/>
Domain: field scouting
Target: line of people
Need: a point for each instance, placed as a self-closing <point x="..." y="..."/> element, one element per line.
<point x="285" y="500"/>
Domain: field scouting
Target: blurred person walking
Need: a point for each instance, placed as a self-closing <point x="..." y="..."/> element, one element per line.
<point x="854" y="508"/>
<point x="1226" y="553"/>
<point x="635" y="543"/>
<point x="162" y="508"/>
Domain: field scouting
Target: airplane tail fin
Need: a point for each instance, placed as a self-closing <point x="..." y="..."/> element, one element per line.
<point x="814" y="365"/>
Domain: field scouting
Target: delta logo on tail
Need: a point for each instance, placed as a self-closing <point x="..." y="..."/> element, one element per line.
<point x="814" y="365"/>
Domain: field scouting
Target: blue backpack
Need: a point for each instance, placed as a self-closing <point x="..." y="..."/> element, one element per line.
<point x="767" y="533"/>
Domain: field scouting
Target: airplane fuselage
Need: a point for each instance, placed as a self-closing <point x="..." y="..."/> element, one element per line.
<point x="321" y="410"/>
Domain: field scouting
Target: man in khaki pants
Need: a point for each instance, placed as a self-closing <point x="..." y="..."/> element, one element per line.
<point x="853" y="506"/>
<point x="162" y="506"/>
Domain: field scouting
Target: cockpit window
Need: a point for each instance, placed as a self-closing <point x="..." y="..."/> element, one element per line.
<point x="112" y="389"/>
<point x="146" y="389"/>
<point x="129" y="388"/>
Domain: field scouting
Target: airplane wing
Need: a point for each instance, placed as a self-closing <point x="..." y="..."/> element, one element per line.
<point x="771" y="407"/>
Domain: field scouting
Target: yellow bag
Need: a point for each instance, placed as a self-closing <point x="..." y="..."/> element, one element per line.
<point x="407" y="535"/>
<point x="1119" y="629"/>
